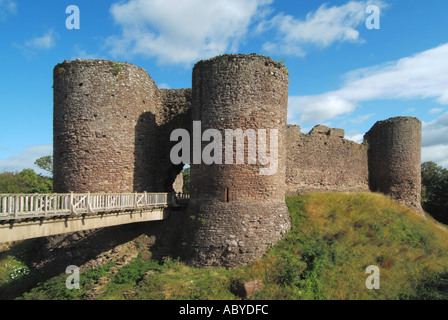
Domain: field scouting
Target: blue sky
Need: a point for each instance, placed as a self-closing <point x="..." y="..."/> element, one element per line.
<point x="342" y="74"/>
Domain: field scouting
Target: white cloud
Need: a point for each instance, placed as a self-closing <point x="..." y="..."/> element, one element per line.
<point x="424" y="75"/>
<point x="321" y="28"/>
<point x="25" y="158"/>
<point x="82" y="54"/>
<point x="435" y="142"/>
<point x="437" y="154"/>
<point x="362" y="118"/>
<point x="436" y="132"/>
<point x="164" y="86"/>
<point x="355" y="136"/>
<point x="307" y="109"/>
<point x="30" y="48"/>
<point x="7" y="7"/>
<point x="180" y="31"/>
<point x="46" y="41"/>
<point x="436" y="110"/>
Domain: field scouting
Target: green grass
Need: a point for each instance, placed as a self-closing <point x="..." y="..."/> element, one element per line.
<point x="333" y="239"/>
<point x="12" y="269"/>
<point x="117" y="68"/>
<point x="174" y="280"/>
<point x="55" y="288"/>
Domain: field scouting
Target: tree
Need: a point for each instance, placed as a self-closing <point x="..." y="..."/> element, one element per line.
<point x="45" y="163"/>
<point x="435" y="190"/>
<point x="26" y="181"/>
<point x="186" y="178"/>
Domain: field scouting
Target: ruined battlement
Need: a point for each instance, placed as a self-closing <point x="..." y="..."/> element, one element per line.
<point x="112" y="128"/>
<point x="323" y="161"/>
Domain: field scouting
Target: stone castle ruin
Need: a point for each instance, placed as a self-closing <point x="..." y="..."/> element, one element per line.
<point x="112" y="128"/>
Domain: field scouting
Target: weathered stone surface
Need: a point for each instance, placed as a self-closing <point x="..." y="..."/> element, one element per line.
<point x="246" y="290"/>
<point x="178" y="183"/>
<point x="110" y="121"/>
<point x="238" y="212"/>
<point x="395" y="159"/>
<point x="322" y="161"/>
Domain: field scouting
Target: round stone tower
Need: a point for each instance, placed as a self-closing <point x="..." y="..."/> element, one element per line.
<point x="394" y="158"/>
<point x="103" y="122"/>
<point x="237" y="206"/>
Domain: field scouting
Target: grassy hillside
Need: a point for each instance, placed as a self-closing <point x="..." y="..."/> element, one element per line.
<point x="334" y="237"/>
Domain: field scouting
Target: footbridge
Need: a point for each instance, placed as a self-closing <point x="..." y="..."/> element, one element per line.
<point x="26" y="216"/>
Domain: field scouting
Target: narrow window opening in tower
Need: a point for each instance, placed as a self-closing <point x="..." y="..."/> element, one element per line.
<point x="227" y="195"/>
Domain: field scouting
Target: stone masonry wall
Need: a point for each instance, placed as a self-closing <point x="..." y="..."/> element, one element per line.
<point x="100" y="140"/>
<point x="237" y="211"/>
<point x="395" y="159"/>
<point x="175" y="114"/>
<point x="323" y="161"/>
<point x="111" y="127"/>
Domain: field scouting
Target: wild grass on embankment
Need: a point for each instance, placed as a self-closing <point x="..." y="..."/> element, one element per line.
<point x="334" y="237"/>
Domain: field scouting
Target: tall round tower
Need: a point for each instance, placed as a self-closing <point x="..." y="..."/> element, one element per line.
<point x="237" y="207"/>
<point x="104" y="118"/>
<point x="394" y="158"/>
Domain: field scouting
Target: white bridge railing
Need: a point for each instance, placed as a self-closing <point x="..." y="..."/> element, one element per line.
<point x="18" y="206"/>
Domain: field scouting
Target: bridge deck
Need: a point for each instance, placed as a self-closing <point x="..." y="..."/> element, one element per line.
<point x="24" y="216"/>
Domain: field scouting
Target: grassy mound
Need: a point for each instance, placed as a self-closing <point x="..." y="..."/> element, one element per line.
<point x="334" y="238"/>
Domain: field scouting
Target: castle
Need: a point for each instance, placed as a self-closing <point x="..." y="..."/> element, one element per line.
<point x="112" y="128"/>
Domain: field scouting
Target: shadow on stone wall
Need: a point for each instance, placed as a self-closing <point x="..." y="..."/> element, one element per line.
<point x="153" y="168"/>
<point x="146" y="155"/>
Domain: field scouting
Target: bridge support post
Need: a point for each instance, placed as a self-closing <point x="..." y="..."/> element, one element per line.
<point x="46" y="204"/>
<point x="71" y="203"/>
<point x="16" y="206"/>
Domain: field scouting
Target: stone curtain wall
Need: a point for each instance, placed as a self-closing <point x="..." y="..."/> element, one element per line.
<point x="395" y="159"/>
<point x="175" y="114"/>
<point x="236" y="212"/>
<point x="323" y="161"/>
